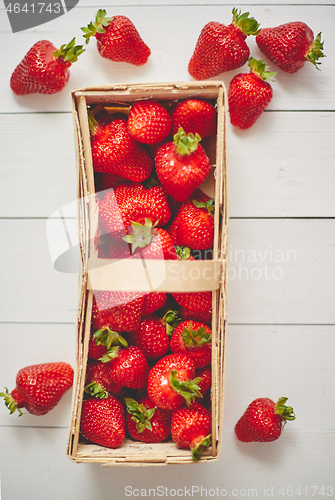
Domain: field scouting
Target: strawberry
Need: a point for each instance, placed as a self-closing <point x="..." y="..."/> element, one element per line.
<point x="39" y="388"/>
<point x="153" y="301"/>
<point x="149" y="242"/>
<point x="151" y="337"/>
<point x="191" y="428"/>
<point x="107" y="181"/>
<point x="102" y="422"/>
<point x="117" y="39"/>
<point x="44" y="69"/>
<point x="206" y="379"/>
<point x="129" y="367"/>
<point x="146" y="422"/>
<point x="193" y="225"/>
<point x="148" y="122"/>
<point x="115" y="152"/>
<point x="194" y="301"/>
<point x="263" y="420"/>
<point x="102" y="341"/>
<point x="182" y="165"/>
<point x="202" y="316"/>
<point x="98" y="382"/>
<point x="249" y="94"/>
<point x="222" y="48"/>
<point x="170" y="382"/>
<point x="119" y="311"/>
<point x="290" y="45"/>
<point x="119" y="249"/>
<point x="193" y="339"/>
<point x="194" y="116"/>
<point x="133" y="203"/>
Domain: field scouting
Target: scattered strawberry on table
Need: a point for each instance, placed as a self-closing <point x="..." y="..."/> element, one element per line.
<point x="39" y="388"/>
<point x="45" y="69"/>
<point x="263" y="420"/>
<point x="290" y="45"/>
<point x="117" y="39"/>
<point x="249" y="94"/>
<point x="222" y="48"/>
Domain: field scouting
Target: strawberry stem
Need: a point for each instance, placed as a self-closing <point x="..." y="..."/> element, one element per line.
<point x="194" y="338"/>
<point x="96" y="390"/>
<point x="199" y="446"/>
<point x="286" y="412"/>
<point x="142" y="234"/>
<point x="140" y="414"/>
<point x="109" y="338"/>
<point x="315" y="52"/>
<point x="183" y="253"/>
<point x="171" y="320"/>
<point x="69" y="52"/>
<point x="261" y="69"/>
<point x="209" y="205"/>
<point x="10" y="402"/>
<point x="248" y="25"/>
<point x="186" y="143"/>
<point x="189" y="389"/>
<point x="98" y="26"/>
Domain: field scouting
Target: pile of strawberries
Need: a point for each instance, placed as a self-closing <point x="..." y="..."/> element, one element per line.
<point x="149" y="369"/>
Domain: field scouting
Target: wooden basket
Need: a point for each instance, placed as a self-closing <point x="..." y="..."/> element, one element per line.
<point x="193" y="275"/>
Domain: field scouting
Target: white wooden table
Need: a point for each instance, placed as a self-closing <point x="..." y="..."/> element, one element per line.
<point x="281" y="334"/>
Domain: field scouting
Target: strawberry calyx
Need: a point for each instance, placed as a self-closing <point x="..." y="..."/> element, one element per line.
<point x="141" y="235"/>
<point x="188" y="389"/>
<point x="198" y="445"/>
<point x="286" y="412"/>
<point x="315" y="51"/>
<point x="69" y="53"/>
<point x="11" y="402"/>
<point x="186" y="143"/>
<point x="109" y="338"/>
<point x="195" y="338"/>
<point x="140" y="414"/>
<point x="261" y="69"/>
<point x="209" y="205"/>
<point x="98" y="26"/>
<point x="183" y="253"/>
<point x="112" y="353"/>
<point x="248" y="25"/>
<point x="171" y="320"/>
<point x="96" y="390"/>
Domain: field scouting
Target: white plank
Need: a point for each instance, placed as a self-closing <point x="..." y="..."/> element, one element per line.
<point x="298" y="458"/>
<point x="30" y="344"/>
<point x="263" y="182"/>
<point x="277" y="361"/>
<point x="280" y="271"/>
<point x="172" y="42"/>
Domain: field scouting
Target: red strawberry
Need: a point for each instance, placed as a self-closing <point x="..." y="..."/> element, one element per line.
<point x="182" y="165"/>
<point x="151" y="337"/>
<point x="148" y="122"/>
<point x="115" y="152"/>
<point x="194" y="301"/>
<point x="194" y="116"/>
<point x="222" y="48"/>
<point x="206" y="379"/>
<point x="133" y="203"/>
<point x="145" y="422"/>
<point x="153" y="301"/>
<point x="39" y="388"/>
<point x="117" y="39"/>
<point x="290" y="45"/>
<point x="102" y="422"/>
<point x="98" y="382"/>
<point x="44" y="69"/>
<point x="191" y="428"/>
<point x="107" y="181"/>
<point x="193" y="225"/>
<point x="170" y="382"/>
<point x="202" y="316"/>
<point x="149" y="242"/>
<point x="263" y="420"/>
<point x="129" y="368"/>
<point x="119" y="249"/>
<point x="249" y="94"/>
<point x="119" y="311"/>
<point x="195" y="340"/>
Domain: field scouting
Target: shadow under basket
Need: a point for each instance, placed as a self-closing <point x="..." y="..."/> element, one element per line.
<point x="153" y="275"/>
